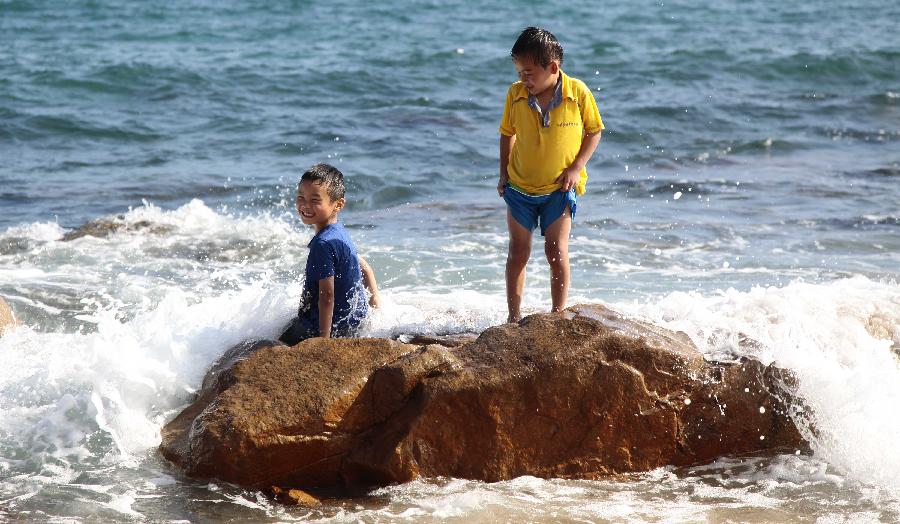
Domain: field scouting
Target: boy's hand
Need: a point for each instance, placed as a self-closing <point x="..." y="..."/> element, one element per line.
<point x="501" y="185"/>
<point x="568" y="179"/>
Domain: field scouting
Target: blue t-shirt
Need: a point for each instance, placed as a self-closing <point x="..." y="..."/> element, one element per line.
<point x="332" y="253"/>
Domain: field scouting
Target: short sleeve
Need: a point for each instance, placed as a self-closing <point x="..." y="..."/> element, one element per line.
<point x="321" y="261"/>
<point x="506" y="125"/>
<point x="590" y="115"/>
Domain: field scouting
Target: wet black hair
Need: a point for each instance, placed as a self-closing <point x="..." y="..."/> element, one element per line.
<point x="329" y="176"/>
<point x="539" y="44"/>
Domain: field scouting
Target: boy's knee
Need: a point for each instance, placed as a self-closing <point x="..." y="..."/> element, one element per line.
<point x="519" y="250"/>
<point x="555" y="253"/>
<point x="518" y="258"/>
<point x="558" y="263"/>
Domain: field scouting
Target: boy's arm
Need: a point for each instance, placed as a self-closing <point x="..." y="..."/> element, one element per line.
<point x="326" y="306"/>
<point x="506" y="143"/>
<point x="570" y="175"/>
<point x="368" y="277"/>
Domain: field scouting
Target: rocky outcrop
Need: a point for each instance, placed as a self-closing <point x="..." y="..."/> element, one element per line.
<point x="579" y="394"/>
<point x="7" y="319"/>
<point x="104" y="227"/>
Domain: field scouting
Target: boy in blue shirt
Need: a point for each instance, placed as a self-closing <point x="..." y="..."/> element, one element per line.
<point x="334" y="292"/>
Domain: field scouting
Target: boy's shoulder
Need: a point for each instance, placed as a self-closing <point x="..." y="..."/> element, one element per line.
<point x="574" y="87"/>
<point x="334" y="235"/>
<point x="517" y="90"/>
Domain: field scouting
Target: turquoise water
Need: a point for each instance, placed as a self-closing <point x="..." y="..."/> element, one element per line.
<point x="746" y="184"/>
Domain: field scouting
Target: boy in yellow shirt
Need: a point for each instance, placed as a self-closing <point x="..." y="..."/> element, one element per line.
<point x="550" y="129"/>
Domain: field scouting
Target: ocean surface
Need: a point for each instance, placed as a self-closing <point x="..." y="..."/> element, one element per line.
<point x="747" y="185"/>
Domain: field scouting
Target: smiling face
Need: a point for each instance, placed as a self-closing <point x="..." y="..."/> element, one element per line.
<point x="315" y="206"/>
<point x="538" y="80"/>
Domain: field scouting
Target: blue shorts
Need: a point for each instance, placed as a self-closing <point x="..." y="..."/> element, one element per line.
<point x="529" y="210"/>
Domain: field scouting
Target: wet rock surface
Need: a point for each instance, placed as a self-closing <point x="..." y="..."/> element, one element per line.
<point x="579" y="394"/>
<point x="7" y="318"/>
<point x="104" y="227"/>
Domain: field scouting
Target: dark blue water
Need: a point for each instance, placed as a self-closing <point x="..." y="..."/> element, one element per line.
<point x="778" y="124"/>
<point x="105" y="103"/>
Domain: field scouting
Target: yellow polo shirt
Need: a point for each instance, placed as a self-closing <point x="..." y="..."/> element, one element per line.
<point x="540" y="154"/>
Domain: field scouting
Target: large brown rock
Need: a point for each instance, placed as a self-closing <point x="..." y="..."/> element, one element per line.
<point x="581" y="394"/>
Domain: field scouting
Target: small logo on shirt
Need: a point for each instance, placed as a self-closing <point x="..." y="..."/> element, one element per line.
<point x="567" y="124"/>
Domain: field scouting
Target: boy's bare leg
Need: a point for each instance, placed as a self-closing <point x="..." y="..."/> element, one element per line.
<point x="556" y="247"/>
<point x="516" y="260"/>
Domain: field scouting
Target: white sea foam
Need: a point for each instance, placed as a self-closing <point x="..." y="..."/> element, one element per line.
<point x="123" y="380"/>
<point x="411" y="312"/>
<point x="757" y="489"/>
<point x="40" y="231"/>
<point x="837" y="338"/>
<point x="153" y="309"/>
<point x="881" y="218"/>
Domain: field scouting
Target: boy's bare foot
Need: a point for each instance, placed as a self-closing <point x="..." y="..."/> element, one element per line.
<point x="513" y="319"/>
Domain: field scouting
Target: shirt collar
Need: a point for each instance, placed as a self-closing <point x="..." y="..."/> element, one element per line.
<point x="565" y="85"/>
<point x="553" y="104"/>
<point x="336" y="225"/>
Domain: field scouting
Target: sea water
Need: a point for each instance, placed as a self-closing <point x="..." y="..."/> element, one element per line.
<point x="746" y="187"/>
